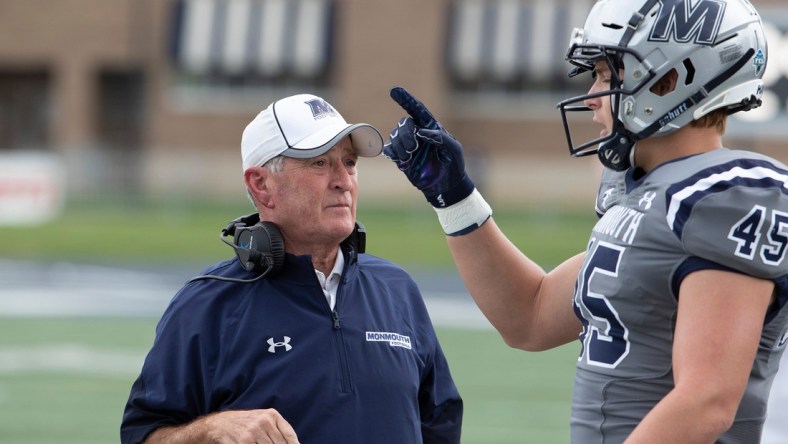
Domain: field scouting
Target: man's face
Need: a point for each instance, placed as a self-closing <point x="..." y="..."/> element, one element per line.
<point x="314" y="200"/>
<point x="603" y="113"/>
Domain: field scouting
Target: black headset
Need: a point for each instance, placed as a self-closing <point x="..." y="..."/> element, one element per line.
<point x="259" y="246"/>
<point x="257" y="243"/>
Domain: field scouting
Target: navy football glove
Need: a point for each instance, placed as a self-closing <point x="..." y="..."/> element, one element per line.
<point x="430" y="157"/>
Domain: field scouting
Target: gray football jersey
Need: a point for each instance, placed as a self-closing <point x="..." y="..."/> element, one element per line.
<point x="723" y="210"/>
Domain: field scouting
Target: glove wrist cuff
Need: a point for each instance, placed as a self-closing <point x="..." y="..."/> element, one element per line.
<point x="453" y="195"/>
<point x="464" y="216"/>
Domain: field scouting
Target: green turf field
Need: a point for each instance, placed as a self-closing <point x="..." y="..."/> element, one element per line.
<point x="65" y="380"/>
<point x="174" y="232"/>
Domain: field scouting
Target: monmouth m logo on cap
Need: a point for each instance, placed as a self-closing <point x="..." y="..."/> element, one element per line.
<point x="321" y="109"/>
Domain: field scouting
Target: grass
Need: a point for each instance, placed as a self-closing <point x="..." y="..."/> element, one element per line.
<point x="66" y="380"/>
<point x="188" y="232"/>
<point x="70" y="378"/>
<point x="510" y="396"/>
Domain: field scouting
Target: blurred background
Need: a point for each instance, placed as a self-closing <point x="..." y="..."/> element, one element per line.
<point x="148" y="98"/>
<point x="120" y="125"/>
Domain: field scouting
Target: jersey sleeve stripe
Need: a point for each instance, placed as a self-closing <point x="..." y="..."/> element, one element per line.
<point x="682" y="196"/>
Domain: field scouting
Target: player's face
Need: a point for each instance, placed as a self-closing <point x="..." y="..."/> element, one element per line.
<point x="603" y="113"/>
<point x="314" y="200"/>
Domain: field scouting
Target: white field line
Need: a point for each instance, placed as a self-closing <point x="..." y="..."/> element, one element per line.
<point x="64" y="289"/>
<point x="69" y="358"/>
<point x="29" y="289"/>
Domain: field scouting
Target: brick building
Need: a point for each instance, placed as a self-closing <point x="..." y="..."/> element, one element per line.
<point x="149" y="97"/>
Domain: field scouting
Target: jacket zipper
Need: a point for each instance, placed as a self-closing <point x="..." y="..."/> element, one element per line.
<point x="344" y="369"/>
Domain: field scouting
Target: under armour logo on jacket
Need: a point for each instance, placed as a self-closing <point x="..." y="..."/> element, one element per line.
<point x="273" y="345"/>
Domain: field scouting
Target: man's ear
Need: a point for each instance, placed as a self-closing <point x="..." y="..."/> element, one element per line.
<point x="256" y="179"/>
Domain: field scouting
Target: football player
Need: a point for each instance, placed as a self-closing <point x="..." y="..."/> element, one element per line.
<point x="679" y="301"/>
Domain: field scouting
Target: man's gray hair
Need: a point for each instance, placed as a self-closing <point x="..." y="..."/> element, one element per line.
<point x="276" y="164"/>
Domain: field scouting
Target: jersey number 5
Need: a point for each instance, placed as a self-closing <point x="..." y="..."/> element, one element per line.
<point x="605" y="341"/>
<point x="747" y="235"/>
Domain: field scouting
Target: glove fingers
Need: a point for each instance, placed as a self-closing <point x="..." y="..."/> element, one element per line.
<point x="388" y="148"/>
<point x="389" y="152"/>
<point x="402" y="141"/>
<point x="420" y="114"/>
<point x="434" y="136"/>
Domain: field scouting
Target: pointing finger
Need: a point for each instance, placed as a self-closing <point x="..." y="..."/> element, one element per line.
<point x="420" y="114"/>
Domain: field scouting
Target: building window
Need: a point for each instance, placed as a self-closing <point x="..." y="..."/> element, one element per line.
<point x="239" y="43"/>
<point x="25" y="116"/>
<point x="515" y="45"/>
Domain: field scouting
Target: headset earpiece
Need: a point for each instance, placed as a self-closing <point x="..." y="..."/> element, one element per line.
<point x="260" y="247"/>
<point x="258" y="244"/>
<point x="357" y="239"/>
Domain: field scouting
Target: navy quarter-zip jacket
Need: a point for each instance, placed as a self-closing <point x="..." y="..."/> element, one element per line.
<point x="371" y="371"/>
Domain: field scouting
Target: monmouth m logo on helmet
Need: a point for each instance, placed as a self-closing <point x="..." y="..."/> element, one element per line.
<point x="687" y="23"/>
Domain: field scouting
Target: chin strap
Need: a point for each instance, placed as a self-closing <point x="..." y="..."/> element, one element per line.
<point x="616" y="152"/>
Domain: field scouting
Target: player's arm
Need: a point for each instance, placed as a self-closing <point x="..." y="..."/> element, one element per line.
<point x="263" y="426"/>
<point x="531" y="309"/>
<point x="718" y="328"/>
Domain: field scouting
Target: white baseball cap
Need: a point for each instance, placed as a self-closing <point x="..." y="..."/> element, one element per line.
<point x="303" y="126"/>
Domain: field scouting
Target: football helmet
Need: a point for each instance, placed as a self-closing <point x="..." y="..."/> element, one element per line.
<point x="717" y="47"/>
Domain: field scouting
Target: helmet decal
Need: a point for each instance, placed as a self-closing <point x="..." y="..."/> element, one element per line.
<point x="686" y="23"/>
<point x="759" y="62"/>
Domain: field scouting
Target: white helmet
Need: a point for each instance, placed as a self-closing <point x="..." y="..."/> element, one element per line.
<point x="717" y="47"/>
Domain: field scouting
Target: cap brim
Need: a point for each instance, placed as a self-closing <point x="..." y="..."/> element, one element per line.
<point x="366" y="140"/>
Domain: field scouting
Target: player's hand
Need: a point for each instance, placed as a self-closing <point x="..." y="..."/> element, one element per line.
<point x="430" y="157"/>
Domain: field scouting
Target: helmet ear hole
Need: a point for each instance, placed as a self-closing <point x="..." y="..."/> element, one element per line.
<point x="667" y="84"/>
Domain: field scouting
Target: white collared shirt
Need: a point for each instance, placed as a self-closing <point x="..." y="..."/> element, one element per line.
<point x="331" y="284"/>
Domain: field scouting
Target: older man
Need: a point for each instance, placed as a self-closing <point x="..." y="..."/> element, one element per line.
<point x="302" y="337"/>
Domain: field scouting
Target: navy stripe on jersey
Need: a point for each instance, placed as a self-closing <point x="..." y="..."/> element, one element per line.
<point x="693" y="264"/>
<point x="682" y="196"/>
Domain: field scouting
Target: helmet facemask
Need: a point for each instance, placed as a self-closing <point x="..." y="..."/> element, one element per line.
<point x="613" y="148"/>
